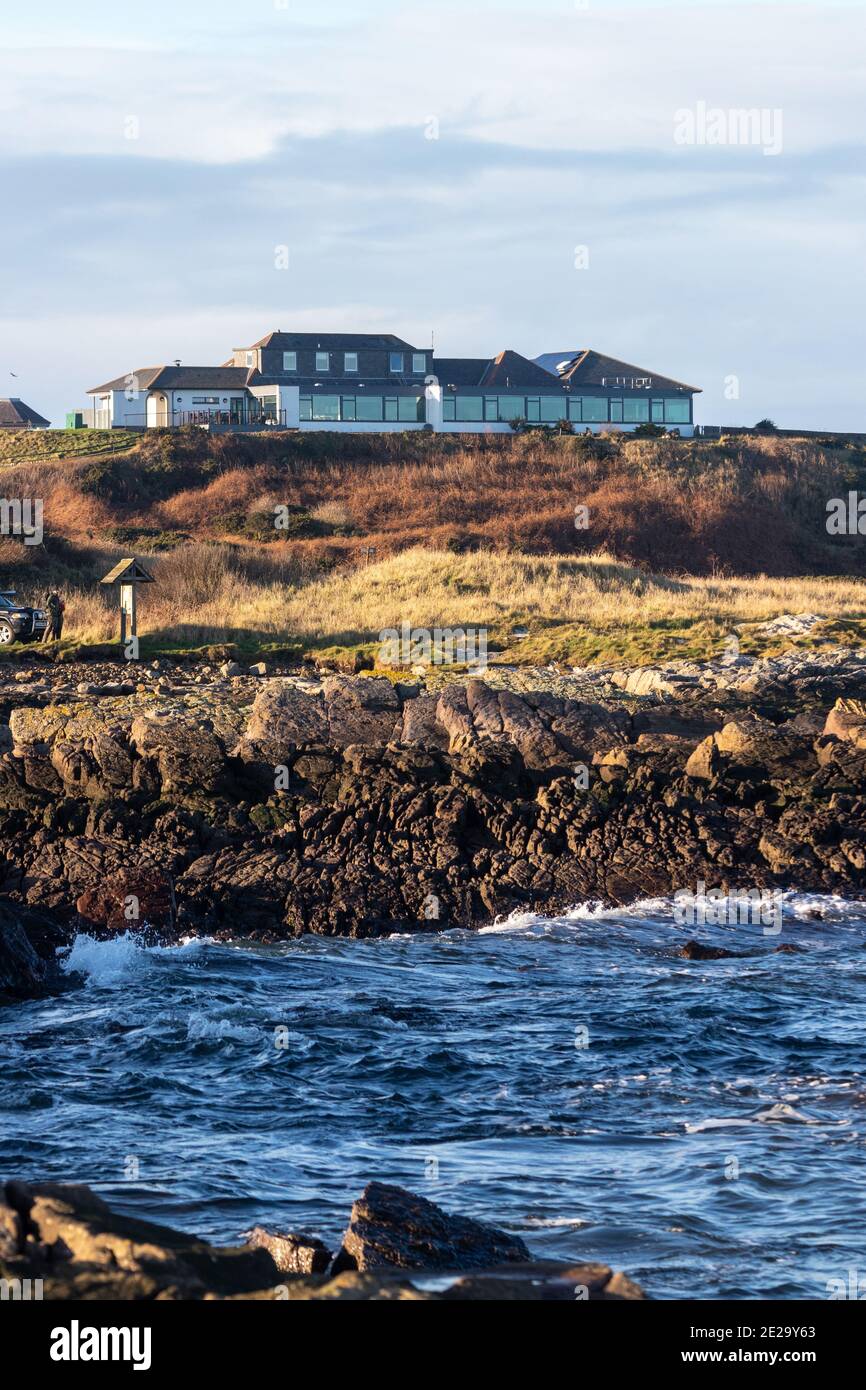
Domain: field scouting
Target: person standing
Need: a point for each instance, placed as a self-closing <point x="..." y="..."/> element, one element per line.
<point x="55" y="609"/>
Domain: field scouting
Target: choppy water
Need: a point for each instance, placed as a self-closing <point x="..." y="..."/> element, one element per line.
<point x="708" y="1139"/>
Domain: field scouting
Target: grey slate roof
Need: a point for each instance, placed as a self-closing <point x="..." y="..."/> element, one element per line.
<point x="330" y="342"/>
<point x="505" y="372"/>
<point x="587" y="367"/>
<point x="181" y="379"/>
<point x="15" y="415"/>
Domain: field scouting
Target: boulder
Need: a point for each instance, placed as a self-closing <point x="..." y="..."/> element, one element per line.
<point x="282" y="718"/>
<point x="71" y="1237"/>
<point x="362" y="710"/>
<point x="392" y="1228"/>
<point x="130" y="899"/>
<point x="292" y="1253"/>
<point x="28" y="963"/>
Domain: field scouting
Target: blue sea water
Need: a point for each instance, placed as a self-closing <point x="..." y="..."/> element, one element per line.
<point x="698" y="1124"/>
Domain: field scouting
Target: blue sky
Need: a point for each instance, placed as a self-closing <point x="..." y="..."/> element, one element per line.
<point x="155" y="157"/>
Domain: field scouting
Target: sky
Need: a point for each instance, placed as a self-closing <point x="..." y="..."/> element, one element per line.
<point x="180" y="179"/>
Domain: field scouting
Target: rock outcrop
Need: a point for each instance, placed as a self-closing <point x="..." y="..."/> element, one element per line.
<point x="271" y="806"/>
<point x="70" y="1240"/>
<point x="392" y="1228"/>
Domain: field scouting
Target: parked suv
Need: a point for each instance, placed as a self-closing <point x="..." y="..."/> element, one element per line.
<point x="19" y="623"/>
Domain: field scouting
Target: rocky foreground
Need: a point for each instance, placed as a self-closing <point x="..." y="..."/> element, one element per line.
<point x="241" y="804"/>
<point x="69" y="1239"/>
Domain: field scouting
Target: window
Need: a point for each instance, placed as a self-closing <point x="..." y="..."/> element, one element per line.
<point x="347" y="411"/>
<point x="396" y="361"/>
<point x="368" y="407"/>
<point x="306" y="408"/>
<point x="409" y="408"/>
<point x="635" y="411"/>
<point x="251" y="359"/>
<point x="552" y="409"/>
<point x="290" y="361"/>
<point x="512" y="407"/>
<point x="574" y="408"/>
<point x="449" y="408"/>
<point x="616" y="409"/>
<point x="350" y="361"/>
<point x="391" y="408"/>
<point x="658" y="409"/>
<point x="470" y="408"/>
<point x="205" y="400"/>
<point x="533" y="409"/>
<point x="677" y="412"/>
<point x="326" y="407"/>
<point x="419" y="361"/>
<point x="323" y="361"/>
<point x="491" y="407"/>
<point x="594" y="409"/>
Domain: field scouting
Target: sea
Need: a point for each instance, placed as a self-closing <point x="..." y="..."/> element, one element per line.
<point x="698" y="1124"/>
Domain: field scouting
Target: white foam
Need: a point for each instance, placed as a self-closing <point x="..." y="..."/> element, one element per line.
<point x="111" y="960"/>
<point x="201" y="1028"/>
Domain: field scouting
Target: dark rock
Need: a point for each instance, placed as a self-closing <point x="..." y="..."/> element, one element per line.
<point x="26" y="972"/>
<point x="69" y="1237"/>
<point x="392" y="1228"/>
<point x="693" y="950"/>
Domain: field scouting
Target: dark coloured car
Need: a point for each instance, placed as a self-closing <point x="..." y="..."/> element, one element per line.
<point x="18" y="623"/>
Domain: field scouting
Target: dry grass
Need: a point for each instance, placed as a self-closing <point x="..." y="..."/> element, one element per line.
<point x="585" y="608"/>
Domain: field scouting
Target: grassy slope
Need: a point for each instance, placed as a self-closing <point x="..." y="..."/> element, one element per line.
<point x="495" y="518"/>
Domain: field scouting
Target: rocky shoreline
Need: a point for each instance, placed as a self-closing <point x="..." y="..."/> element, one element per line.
<point x="243" y="804"/>
<point x="62" y="1242"/>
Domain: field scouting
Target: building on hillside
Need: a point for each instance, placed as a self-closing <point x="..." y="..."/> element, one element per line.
<point x="15" y="415"/>
<point x="378" y="382"/>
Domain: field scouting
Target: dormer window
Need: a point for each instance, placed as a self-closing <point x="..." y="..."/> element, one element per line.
<point x="323" y="362"/>
<point x="251" y="359"/>
<point x="396" y="359"/>
<point x="290" y="361"/>
<point x="350" y="361"/>
<point x="419" y="361"/>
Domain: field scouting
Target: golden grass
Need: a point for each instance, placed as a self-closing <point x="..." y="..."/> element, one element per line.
<point x="580" y="608"/>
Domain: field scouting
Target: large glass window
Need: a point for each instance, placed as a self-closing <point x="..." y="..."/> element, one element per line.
<point x="512" y="407"/>
<point x="368" y="407"/>
<point x="347" y="408"/>
<point x="658" y="412"/>
<point x="635" y="410"/>
<point x="350" y="361"/>
<point x="306" y="407"/>
<point x="533" y="408"/>
<point x="677" y="412"/>
<point x="408" y="408"/>
<point x="616" y="409"/>
<point x="594" y="409"/>
<point x="470" y="408"/>
<point x="552" y="409"/>
<point x="391" y="408"/>
<point x="449" y="404"/>
<point x="396" y="361"/>
<point x="419" y="361"/>
<point x="574" y="408"/>
<point x="323" y="361"/>
<point x="290" y="361"/>
<point x="326" y="407"/>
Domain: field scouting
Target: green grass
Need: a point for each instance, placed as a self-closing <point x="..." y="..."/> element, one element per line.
<point x="34" y="446"/>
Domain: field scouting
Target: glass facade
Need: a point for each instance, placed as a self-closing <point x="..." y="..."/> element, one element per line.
<point x="500" y="409"/>
<point x="405" y="409"/>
